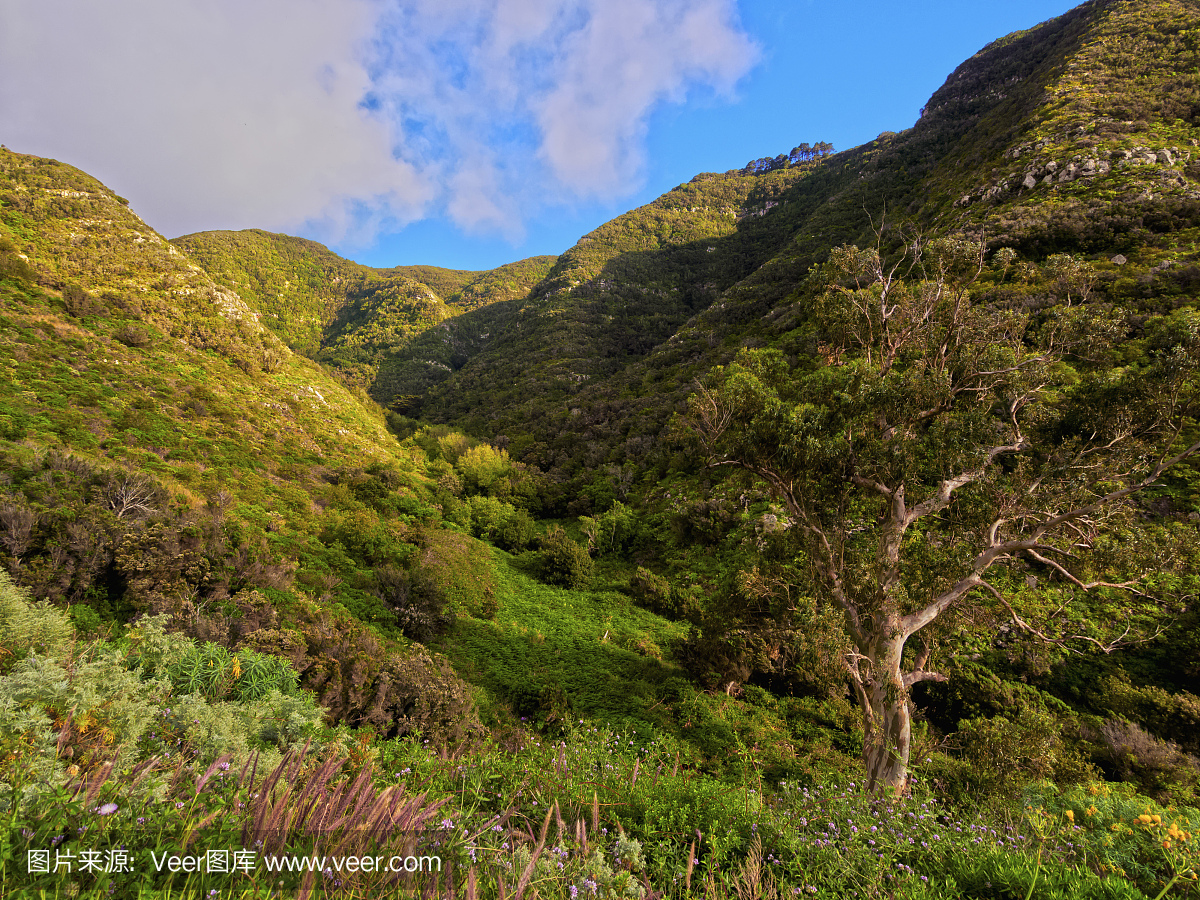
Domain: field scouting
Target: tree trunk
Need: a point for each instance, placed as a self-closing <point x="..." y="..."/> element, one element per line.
<point x="887" y="718"/>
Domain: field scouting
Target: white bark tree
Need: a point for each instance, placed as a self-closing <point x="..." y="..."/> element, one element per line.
<point x="929" y="416"/>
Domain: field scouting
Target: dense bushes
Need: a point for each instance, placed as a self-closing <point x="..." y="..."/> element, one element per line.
<point x="562" y="561"/>
<point x="67" y="707"/>
<point x="612" y="531"/>
<point x="454" y="571"/>
<point x="500" y="523"/>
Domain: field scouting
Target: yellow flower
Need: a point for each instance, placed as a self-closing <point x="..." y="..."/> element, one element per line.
<point x="237" y="667"/>
<point x="1144" y="819"/>
<point x="1091" y="810"/>
<point x="1070" y="814"/>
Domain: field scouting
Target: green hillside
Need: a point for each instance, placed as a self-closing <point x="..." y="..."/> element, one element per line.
<point x="347" y="315"/>
<point x="296" y="285"/>
<point x="164" y="453"/>
<point x="962" y="167"/>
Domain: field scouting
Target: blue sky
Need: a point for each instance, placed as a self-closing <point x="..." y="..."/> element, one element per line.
<point x="460" y="133"/>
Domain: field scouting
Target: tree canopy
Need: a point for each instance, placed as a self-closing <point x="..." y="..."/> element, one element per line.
<point x="937" y="444"/>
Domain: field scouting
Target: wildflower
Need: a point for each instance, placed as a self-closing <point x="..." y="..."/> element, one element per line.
<point x="1070" y="814"/>
<point x="107" y="809"/>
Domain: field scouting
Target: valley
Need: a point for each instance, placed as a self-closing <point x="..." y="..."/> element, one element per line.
<point x="584" y="574"/>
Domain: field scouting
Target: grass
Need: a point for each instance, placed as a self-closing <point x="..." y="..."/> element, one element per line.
<point x="597" y="812"/>
<point x="556" y="656"/>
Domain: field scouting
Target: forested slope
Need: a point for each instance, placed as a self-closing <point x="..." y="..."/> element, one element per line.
<point x="347" y="315"/>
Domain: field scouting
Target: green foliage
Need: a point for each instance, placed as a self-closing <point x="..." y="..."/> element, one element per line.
<point x="458" y="570"/>
<point x="651" y="589"/>
<point x="164" y="452"/>
<point x="27" y="627"/>
<point x="481" y="468"/>
<point x="562" y="561"/>
<point x="1121" y="832"/>
<point x="214" y="673"/>
<point x="157" y="836"/>
<point x="612" y="531"/>
<point x="553" y="656"/>
<point x="500" y="523"/>
<point x="74" y="708"/>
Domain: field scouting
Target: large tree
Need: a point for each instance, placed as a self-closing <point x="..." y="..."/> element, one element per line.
<point x="933" y="444"/>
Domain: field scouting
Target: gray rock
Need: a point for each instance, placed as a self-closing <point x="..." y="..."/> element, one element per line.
<point x="1030" y="182"/>
<point x="1119" y="260"/>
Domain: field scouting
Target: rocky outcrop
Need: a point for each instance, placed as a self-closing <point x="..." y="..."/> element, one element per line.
<point x="1042" y="172"/>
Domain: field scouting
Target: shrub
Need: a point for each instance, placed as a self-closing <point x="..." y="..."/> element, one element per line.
<point x="1003" y="754"/>
<point x="80" y="303"/>
<point x="1155" y="766"/>
<point x="454" y="572"/>
<point x="562" y="561"/>
<point x="482" y="467"/>
<point x="27" y="627"/>
<point x="418" y="602"/>
<point x="133" y="336"/>
<point x="650" y="590"/>
<point x="611" y="531"/>
<point x="516" y="535"/>
<point x="211" y="671"/>
<point x="499" y="522"/>
<point x="151" y="647"/>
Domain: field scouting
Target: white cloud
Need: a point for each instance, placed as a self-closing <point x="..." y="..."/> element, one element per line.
<point x="561" y="88"/>
<point x="630" y="56"/>
<point x="357" y="115"/>
<point x="207" y="113"/>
